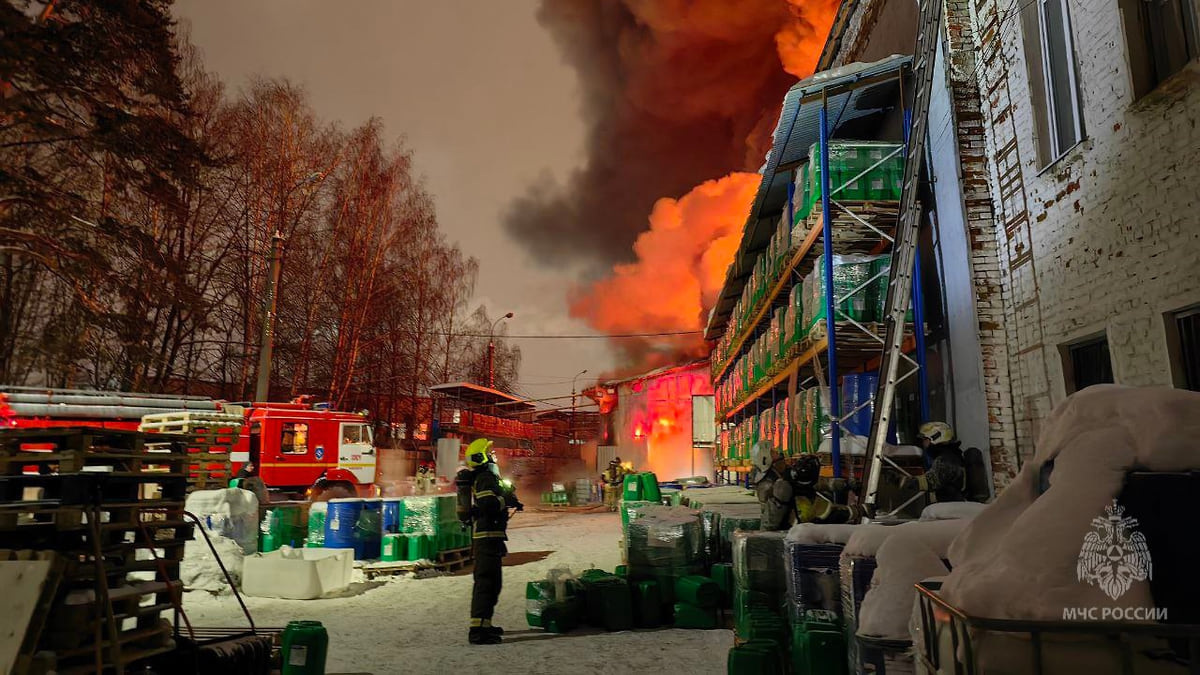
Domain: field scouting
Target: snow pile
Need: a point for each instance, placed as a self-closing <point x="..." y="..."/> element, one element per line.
<point x="952" y="510"/>
<point x="904" y="554"/>
<point x="199" y="570"/>
<point x="1017" y="559"/>
<point x="229" y="512"/>
<point x="813" y="533"/>
<point x="231" y="518"/>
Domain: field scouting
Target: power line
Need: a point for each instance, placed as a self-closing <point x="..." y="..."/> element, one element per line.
<point x="549" y="336"/>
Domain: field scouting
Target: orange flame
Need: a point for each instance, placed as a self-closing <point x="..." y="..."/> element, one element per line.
<point x="682" y="258"/>
<point x="681" y="262"/>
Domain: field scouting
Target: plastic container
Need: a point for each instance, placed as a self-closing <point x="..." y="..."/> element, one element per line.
<point x="538" y="596"/>
<point x="392" y="548"/>
<point x="608" y="601"/>
<point x="368" y="531"/>
<point x="317" y="513"/>
<point x="650" y="491"/>
<point x="393" y="514"/>
<point x="631" y="489"/>
<point x="341" y="521"/>
<point x="562" y="617"/>
<point x="647" y="604"/>
<point x="690" y="616"/>
<point x="699" y="591"/>
<point x="303" y="648"/>
<point x="818" y="649"/>
<point x="756" y="658"/>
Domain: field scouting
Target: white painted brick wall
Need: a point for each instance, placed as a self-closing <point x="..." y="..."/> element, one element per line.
<point x="1115" y="224"/>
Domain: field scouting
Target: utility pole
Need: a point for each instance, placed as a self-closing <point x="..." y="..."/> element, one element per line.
<point x="262" y="391"/>
<point x="573" y="427"/>
<point x="491" y="351"/>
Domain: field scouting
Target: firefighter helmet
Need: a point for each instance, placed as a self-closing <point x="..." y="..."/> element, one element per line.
<point x="806" y="469"/>
<point x="478" y="453"/>
<point x="936" y="432"/>
<point x="762" y="456"/>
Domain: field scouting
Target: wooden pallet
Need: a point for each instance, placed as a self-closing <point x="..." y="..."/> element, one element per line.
<point x="447" y="561"/>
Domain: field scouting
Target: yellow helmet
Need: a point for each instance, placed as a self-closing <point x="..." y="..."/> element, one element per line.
<point x="478" y="453"/>
<point x="936" y="432"/>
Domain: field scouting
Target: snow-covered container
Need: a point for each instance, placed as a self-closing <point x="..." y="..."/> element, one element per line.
<point x="948" y="641"/>
<point x="298" y="573"/>
<point x="230" y="516"/>
<point x="1034" y="588"/>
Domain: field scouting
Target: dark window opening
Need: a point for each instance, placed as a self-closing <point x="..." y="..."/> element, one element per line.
<point x="1086" y="363"/>
<point x="1162" y="39"/>
<point x="1183" y="344"/>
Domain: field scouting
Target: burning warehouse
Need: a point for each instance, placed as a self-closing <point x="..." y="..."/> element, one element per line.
<point x="659" y="421"/>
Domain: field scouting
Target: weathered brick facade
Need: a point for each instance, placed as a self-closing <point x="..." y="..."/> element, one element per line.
<point x="1104" y="241"/>
<point x="980" y="216"/>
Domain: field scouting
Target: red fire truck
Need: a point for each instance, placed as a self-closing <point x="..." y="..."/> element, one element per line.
<point x="291" y="444"/>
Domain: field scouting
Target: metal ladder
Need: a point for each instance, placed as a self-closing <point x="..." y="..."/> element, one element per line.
<point x="904" y="252"/>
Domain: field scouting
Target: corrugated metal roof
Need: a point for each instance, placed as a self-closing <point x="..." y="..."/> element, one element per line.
<point x="852" y="93"/>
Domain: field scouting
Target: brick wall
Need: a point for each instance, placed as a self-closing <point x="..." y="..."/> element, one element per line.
<point x="969" y="120"/>
<point x="1107" y="238"/>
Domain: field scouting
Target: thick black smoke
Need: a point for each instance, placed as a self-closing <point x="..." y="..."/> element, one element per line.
<point x="675" y="92"/>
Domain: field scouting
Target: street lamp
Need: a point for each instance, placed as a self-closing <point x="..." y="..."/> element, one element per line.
<point x="262" y="389"/>
<point x="572" y="430"/>
<point x="492" y="350"/>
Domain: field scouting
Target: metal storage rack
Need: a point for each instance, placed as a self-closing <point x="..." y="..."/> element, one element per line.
<point x="815" y="111"/>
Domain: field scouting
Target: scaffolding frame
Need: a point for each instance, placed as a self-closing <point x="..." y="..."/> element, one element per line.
<point x="836" y="320"/>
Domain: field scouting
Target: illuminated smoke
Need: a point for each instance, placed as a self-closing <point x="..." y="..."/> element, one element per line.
<point x="676" y="93"/>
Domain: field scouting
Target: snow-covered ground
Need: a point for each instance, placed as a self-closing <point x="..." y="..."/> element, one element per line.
<point x="407" y="625"/>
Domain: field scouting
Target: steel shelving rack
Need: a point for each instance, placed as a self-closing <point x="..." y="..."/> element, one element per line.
<point x="815" y="112"/>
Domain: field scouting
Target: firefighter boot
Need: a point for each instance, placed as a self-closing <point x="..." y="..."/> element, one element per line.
<point x="483" y="636"/>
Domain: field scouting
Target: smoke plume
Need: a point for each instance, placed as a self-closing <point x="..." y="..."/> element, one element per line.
<point x="675" y="93"/>
<point x="679" y="270"/>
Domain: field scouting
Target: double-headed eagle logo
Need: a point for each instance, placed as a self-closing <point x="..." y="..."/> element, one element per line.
<point x="1114" y="554"/>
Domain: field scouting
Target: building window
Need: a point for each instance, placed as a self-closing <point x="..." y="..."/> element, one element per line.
<point x="1085" y="363"/>
<point x="294" y="439"/>
<point x="1162" y="38"/>
<point x="1183" y="344"/>
<point x="1058" y="75"/>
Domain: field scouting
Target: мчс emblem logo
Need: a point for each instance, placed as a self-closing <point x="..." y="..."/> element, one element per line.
<point x="1114" y="554"/>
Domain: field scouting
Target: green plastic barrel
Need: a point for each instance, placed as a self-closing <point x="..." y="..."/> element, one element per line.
<point x="699" y="591"/>
<point x="632" y="488"/>
<point x="690" y="616"/>
<point x="650" y="491"/>
<point x="538" y="596"/>
<point x="392" y="548"/>
<point x="316" y="525"/>
<point x="562" y="617"/>
<point x="818" y="648"/>
<point x="647" y="605"/>
<point x="303" y="648"/>
<point x="753" y="658"/>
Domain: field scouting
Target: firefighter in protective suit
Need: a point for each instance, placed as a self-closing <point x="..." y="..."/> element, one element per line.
<point x="487" y="513"/>
<point x="816" y="498"/>
<point x="774" y="492"/>
<point x="954" y="474"/>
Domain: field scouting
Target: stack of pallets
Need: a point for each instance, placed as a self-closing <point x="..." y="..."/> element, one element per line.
<point x="110" y="513"/>
<point x="206" y="436"/>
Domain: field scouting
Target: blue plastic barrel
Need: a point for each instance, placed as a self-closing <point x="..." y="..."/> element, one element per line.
<point x="341" y="521"/>
<point x="393" y="511"/>
<point x="369" y="533"/>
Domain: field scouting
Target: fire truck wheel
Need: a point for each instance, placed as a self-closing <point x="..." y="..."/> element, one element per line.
<point x="337" y="489"/>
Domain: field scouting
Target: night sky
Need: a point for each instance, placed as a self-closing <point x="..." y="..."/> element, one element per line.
<point x="480" y="94"/>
